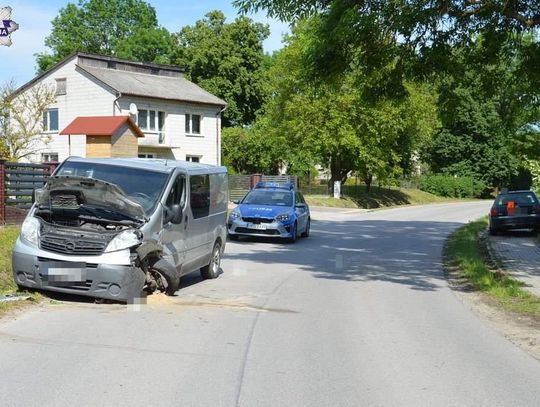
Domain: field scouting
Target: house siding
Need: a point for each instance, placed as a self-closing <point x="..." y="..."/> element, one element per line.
<point x="203" y="145"/>
<point x="85" y="96"/>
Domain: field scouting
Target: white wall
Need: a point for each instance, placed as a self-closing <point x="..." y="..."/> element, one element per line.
<point x="204" y="145"/>
<point x="84" y="97"/>
<point x="87" y="97"/>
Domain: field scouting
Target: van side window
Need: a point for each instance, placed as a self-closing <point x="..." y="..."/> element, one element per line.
<point x="178" y="192"/>
<point x="199" y="195"/>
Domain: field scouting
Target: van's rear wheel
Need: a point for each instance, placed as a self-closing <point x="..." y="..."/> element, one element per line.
<point x="212" y="269"/>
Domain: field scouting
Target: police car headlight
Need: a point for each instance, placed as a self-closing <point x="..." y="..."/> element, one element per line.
<point x="124" y="240"/>
<point x="235" y="214"/>
<point x="30" y="230"/>
<point x="282" y="218"/>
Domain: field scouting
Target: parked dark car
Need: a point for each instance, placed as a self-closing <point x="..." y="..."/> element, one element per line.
<point x="514" y="210"/>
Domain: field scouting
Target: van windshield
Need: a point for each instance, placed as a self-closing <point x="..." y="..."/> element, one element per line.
<point x="141" y="186"/>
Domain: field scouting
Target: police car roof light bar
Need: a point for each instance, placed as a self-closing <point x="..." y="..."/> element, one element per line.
<point x="283" y="185"/>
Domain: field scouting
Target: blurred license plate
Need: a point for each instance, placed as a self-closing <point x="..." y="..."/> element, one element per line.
<point x="63" y="271"/>
<point x="259" y="226"/>
<point x="519" y="211"/>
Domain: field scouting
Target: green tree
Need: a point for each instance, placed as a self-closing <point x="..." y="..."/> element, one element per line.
<point x="250" y="150"/>
<point x="487" y="110"/>
<point x="105" y="27"/>
<point x="346" y="124"/>
<point x="21" y="119"/>
<point x="427" y="30"/>
<point x="227" y="59"/>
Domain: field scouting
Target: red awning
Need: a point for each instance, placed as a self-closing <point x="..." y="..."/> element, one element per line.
<point x="101" y="126"/>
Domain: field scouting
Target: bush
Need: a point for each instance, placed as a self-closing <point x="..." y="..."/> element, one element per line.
<point x="453" y="187"/>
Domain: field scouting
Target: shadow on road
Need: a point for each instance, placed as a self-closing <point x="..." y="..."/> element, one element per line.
<point x="407" y="252"/>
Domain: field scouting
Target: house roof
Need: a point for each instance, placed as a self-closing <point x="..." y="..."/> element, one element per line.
<point x="132" y="83"/>
<point x="101" y="126"/>
<point x="153" y="86"/>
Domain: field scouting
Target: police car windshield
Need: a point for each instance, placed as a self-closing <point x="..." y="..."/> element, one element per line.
<point x="269" y="197"/>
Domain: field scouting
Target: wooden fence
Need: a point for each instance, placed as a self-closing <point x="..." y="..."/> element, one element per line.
<point x="17" y="184"/>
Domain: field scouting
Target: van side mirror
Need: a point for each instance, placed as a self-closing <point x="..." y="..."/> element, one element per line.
<point x="173" y="215"/>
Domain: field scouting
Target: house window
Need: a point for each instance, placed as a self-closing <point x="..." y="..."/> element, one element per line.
<point x="60" y="87"/>
<point x="50" y="120"/>
<point x="151" y="120"/>
<point x="193" y="158"/>
<point x="49" y="157"/>
<point x="146" y="155"/>
<point x="193" y="123"/>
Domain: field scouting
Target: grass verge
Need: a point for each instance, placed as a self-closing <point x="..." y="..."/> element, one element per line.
<point x="466" y="253"/>
<point x="8" y="236"/>
<point x="358" y="197"/>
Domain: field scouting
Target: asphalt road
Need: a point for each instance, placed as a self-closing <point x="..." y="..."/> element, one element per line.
<point x="359" y="314"/>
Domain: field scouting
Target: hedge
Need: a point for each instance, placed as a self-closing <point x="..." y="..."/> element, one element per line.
<point x="453" y="187"/>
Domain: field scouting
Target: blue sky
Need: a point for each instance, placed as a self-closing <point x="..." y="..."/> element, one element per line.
<point x="34" y="19"/>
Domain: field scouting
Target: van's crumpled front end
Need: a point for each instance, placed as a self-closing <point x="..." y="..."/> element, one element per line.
<point x="80" y="238"/>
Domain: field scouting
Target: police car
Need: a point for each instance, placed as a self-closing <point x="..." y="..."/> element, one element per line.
<point x="271" y="210"/>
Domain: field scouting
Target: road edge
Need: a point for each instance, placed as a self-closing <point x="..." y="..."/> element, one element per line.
<point x="522" y="330"/>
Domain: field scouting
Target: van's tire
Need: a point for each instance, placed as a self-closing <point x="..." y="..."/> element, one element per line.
<point x="170" y="274"/>
<point x="212" y="269"/>
<point x="308" y="227"/>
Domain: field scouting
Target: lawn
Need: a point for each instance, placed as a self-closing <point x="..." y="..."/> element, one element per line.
<point x="358" y="197"/>
<point x="8" y="235"/>
<point x="467" y="253"/>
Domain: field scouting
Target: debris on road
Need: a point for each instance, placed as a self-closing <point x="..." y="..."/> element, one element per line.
<point x="13" y="297"/>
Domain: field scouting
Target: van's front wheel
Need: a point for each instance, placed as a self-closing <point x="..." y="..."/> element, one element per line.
<point x="163" y="270"/>
<point x="212" y="269"/>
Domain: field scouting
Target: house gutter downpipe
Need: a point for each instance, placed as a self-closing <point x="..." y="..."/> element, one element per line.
<point x="218" y="150"/>
<point x="118" y="96"/>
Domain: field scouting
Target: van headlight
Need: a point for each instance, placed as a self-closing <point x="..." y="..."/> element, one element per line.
<point x="30" y="230"/>
<point x="124" y="240"/>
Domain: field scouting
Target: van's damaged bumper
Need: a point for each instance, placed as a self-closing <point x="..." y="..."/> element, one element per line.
<point x="110" y="276"/>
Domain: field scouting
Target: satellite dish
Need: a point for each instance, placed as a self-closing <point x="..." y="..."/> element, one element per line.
<point x="133" y="109"/>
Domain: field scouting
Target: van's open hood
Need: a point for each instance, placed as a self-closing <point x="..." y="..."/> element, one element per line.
<point x="71" y="192"/>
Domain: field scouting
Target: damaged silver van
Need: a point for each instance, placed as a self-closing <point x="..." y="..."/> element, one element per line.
<point x="119" y="228"/>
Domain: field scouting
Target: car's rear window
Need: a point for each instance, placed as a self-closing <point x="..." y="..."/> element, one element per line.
<point x="525" y="198"/>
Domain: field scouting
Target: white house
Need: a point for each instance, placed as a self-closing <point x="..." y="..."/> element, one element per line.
<point x="178" y="118"/>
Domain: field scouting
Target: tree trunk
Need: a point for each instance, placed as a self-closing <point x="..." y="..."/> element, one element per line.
<point x="369" y="180"/>
<point x="338" y="172"/>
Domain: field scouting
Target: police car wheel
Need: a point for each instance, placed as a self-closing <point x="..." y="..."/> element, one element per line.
<point x="308" y="226"/>
<point x="292" y="239"/>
